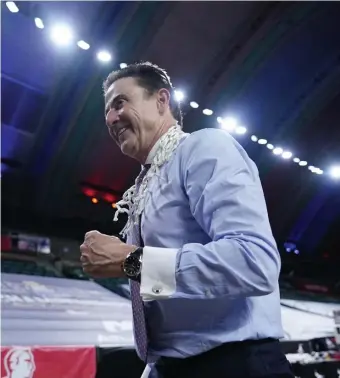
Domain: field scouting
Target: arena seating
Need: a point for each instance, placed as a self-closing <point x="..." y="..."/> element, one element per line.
<point x="34" y="267"/>
<point x="27" y="267"/>
<point x="111" y="284"/>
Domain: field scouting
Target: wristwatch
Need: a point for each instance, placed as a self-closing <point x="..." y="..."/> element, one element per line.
<point x="132" y="265"/>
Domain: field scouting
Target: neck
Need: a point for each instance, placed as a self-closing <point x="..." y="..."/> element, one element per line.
<point x="164" y="127"/>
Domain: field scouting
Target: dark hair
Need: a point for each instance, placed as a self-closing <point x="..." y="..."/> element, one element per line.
<point x="150" y="77"/>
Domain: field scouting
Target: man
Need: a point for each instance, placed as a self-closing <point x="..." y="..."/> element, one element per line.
<point x="199" y="250"/>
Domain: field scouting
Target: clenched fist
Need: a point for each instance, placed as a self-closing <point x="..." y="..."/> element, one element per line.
<point x="102" y="255"/>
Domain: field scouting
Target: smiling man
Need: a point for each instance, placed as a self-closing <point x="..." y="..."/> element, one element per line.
<point x="200" y="255"/>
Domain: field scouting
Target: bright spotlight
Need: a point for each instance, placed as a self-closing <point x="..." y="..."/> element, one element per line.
<point x="83" y="45"/>
<point x="12" y="7"/>
<point x="254" y="138"/>
<point x="104" y="56"/>
<point x="240" y="130"/>
<point x="287" y="155"/>
<point x="219" y="120"/>
<point x="262" y="141"/>
<point x="229" y="123"/>
<point x="207" y="112"/>
<point x="296" y="160"/>
<point x="270" y="146"/>
<point x="62" y="35"/>
<point x="39" y="23"/>
<point x="335" y="172"/>
<point x="179" y="95"/>
<point x="123" y="65"/>
<point x="303" y="163"/>
<point x="194" y="104"/>
<point x="277" y="151"/>
<point x="316" y="170"/>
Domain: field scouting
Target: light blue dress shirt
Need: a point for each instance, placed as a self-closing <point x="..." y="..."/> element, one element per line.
<point x="211" y="264"/>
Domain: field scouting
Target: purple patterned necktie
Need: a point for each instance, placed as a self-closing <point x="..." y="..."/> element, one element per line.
<point x="138" y="311"/>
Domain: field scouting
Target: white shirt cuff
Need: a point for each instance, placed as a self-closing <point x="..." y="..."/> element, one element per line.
<point x="158" y="276"/>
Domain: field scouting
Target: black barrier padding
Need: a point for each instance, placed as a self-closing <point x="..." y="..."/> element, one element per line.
<point x="329" y="369"/>
<point x="124" y="363"/>
<point x="118" y="363"/>
<point x="293" y="346"/>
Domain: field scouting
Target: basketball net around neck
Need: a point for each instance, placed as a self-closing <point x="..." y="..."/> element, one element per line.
<point x="133" y="201"/>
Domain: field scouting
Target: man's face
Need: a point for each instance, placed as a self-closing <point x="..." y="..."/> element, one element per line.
<point x="132" y="117"/>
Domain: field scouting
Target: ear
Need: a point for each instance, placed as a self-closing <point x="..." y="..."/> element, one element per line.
<point x="163" y="100"/>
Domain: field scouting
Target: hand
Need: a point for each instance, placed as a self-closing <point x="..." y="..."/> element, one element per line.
<point x="102" y="255"/>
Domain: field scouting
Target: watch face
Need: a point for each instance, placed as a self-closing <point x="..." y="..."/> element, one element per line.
<point x="132" y="266"/>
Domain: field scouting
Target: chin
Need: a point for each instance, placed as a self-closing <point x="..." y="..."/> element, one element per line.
<point x="128" y="149"/>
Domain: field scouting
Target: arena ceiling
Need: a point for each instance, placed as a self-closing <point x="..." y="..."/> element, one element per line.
<point x="273" y="66"/>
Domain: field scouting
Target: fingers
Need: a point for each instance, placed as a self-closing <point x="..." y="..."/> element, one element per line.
<point x="91" y="235"/>
<point x="87" y="269"/>
<point x="84" y="248"/>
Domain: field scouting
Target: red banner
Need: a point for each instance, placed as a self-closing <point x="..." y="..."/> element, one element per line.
<point x="6" y="243"/>
<point x="51" y="362"/>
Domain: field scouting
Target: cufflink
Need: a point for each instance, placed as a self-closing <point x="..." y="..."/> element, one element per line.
<point x="157" y="289"/>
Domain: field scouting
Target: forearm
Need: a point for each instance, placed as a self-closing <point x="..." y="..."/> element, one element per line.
<point x="228" y="267"/>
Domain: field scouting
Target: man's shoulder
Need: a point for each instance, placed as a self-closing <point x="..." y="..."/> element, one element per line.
<point x="206" y="140"/>
<point x="209" y="134"/>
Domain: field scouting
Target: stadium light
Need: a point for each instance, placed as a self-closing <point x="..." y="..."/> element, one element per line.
<point x="286" y="155"/>
<point x="262" y="141"/>
<point x="277" y="151"/>
<point x="179" y="95"/>
<point x="335" y="172"/>
<point x="83" y="45"/>
<point x="123" y="65"/>
<point x="240" y="130"/>
<point x="104" y="56"/>
<point x="12" y="7"/>
<point x="229" y="123"/>
<point x="194" y="104"/>
<point x="207" y="112"/>
<point x="62" y="35"/>
<point x="39" y="23"/>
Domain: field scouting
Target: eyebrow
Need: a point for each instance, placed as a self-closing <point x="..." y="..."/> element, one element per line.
<point x="115" y="99"/>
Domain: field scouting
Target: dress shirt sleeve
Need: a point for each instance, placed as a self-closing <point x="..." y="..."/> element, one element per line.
<point x="226" y="199"/>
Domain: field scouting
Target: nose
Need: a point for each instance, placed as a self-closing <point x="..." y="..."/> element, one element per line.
<point x="112" y="118"/>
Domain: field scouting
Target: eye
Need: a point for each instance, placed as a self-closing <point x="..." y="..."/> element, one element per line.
<point x="119" y="104"/>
